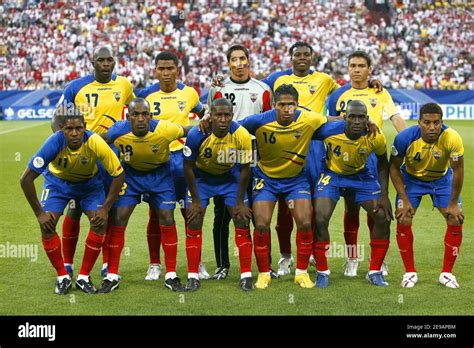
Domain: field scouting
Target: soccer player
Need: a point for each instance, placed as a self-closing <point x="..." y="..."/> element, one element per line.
<point x="346" y="173"/>
<point x="283" y="136"/>
<point x="101" y="96"/>
<point x="427" y="159"/>
<point x="210" y="170"/>
<point x="144" y="147"/>
<point x="172" y="101"/>
<point x="378" y="104"/>
<point x="248" y="97"/>
<point x="68" y="161"/>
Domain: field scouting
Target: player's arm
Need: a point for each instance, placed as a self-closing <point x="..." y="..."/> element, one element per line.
<point x="454" y="209"/>
<point x="186" y="130"/>
<point x="45" y="219"/>
<point x="404" y="207"/>
<point x="383" y="171"/>
<point x="195" y="207"/>
<point x="55" y="121"/>
<point x="398" y="122"/>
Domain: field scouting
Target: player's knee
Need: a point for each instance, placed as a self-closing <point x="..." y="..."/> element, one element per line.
<point x="321" y="221"/>
<point x="195" y="224"/>
<point x="166" y="217"/>
<point x="262" y="226"/>
<point x="241" y="222"/>
<point x="379" y="217"/>
<point x="452" y="221"/>
<point x="74" y="212"/>
<point x="304" y="225"/>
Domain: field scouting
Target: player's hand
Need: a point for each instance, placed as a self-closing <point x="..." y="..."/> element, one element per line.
<point x="377" y="84"/>
<point x="99" y="220"/>
<point x="455" y="212"/>
<point x="217" y="81"/>
<point x="384" y="204"/>
<point x="205" y="124"/>
<point x="405" y="210"/>
<point x="47" y="221"/>
<point x="194" y="210"/>
<point x="242" y="212"/>
<point x="372" y="129"/>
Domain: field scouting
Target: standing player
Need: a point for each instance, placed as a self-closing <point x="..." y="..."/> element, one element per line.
<point x="348" y="148"/>
<point x="144" y="146"/>
<point x="248" y="97"/>
<point x="378" y="104"/>
<point x="210" y="170"/>
<point x="172" y="101"/>
<point x="427" y="159"/>
<point x="101" y="97"/>
<point x="68" y="161"/>
<point x="283" y="137"/>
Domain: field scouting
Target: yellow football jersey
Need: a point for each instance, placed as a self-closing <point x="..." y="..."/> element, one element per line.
<point x="312" y="88"/>
<point x="148" y="152"/>
<point x="101" y="103"/>
<point x="346" y="156"/>
<point x="426" y="161"/>
<point x="377" y="104"/>
<point x="75" y="165"/>
<point x="282" y="149"/>
<point x="174" y="106"/>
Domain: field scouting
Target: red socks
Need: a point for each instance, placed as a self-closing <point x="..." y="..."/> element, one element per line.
<point x="94" y="244"/>
<point x="452" y="242"/>
<point x="284" y="227"/>
<point x="193" y="249"/>
<point x="304" y="246"/>
<point x="169" y="238"/>
<point x="378" y="250"/>
<point x="105" y="250"/>
<point x="261" y="242"/>
<point x="320" y="249"/>
<point x="70" y="234"/>
<point x="405" y="246"/>
<point x="52" y="246"/>
<point x="153" y="236"/>
<point x="244" y="243"/>
<point x="351" y="229"/>
<point x="115" y="243"/>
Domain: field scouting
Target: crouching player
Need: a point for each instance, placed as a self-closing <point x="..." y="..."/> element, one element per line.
<point x="210" y="171"/>
<point x="348" y="147"/>
<point x="433" y="164"/>
<point x="144" y="151"/>
<point x="68" y="161"/>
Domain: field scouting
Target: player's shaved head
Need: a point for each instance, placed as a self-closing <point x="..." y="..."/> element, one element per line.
<point x="138" y="102"/>
<point x="221" y="102"/>
<point x="356" y="107"/>
<point x="102" y="51"/>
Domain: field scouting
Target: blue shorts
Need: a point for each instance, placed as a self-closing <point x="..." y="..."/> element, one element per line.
<point x="315" y="161"/>
<point x="362" y="186"/>
<point x="176" y="163"/>
<point x="269" y="189"/>
<point x="210" y="186"/>
<point x="106" y="177"/>
<point x="439" y="190"/>
<point x="156" y="184"/>
<point x="57" y="193"/>
<point x="371" y="165"/>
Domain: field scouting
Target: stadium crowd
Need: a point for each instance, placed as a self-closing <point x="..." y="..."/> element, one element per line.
<point x="46" y="45"/>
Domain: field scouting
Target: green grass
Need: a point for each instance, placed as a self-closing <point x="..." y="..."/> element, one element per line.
<point x="26" y="287"/>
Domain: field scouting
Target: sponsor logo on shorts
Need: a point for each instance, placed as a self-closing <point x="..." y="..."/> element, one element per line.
<point x="305" y="192"/>
<point x="169" y="202"/>
<point x="376" y="192"/>
<point x="38" y="162"/>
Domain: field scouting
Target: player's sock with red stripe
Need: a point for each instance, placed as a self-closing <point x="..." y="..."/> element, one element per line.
<point x="193" y="249"/>
<point x="304" y="247"/>
<point x="370" y="224"/>
<point x="153" y="236"/>
<point x="378" y="250"/>
<point x="94" y="244"/>
<point x="169" y="238"/>
<point x="284" y="227"/>
<point x="320" y="250"/>
<point x="351" y="229"/>
<point x="52" y="246"/>
<point x="261" y="244"/>
<point x="244" y="243"/>
<point x="70" y="234"/>
<point x="452" y="242"/>
<point x="115" y="243"/>
<point x="105" y="250"/>
<point x="405" y="246"/>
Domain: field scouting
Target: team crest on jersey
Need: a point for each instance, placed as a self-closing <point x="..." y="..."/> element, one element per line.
<point x="181" y="105"/>
<point x="373" y="102"/>
<point x="154" y="148"/>
<point x="117" y="95"/>
<point x="84" y="159"/>
<point x="437" y="154"/>
<point x="362" y="151"/>
<point x="297" y="134"/>
<point x="312" y="88"/>
<point x="253" y="97"/>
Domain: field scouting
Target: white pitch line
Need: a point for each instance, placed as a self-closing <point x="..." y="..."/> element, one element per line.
<point x="21" y="128"/>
